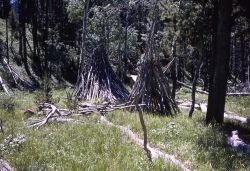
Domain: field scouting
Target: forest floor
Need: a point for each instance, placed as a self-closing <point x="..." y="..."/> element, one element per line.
<point x="88" y="144"/>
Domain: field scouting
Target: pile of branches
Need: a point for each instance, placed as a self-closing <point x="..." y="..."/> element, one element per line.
<point x="98" y="80"/>
<point x="54" y="114"/>
<point x="10" y="72"/>
<point x="151" y="87"/>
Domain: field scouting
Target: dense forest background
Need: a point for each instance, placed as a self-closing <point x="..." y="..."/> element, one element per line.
<point x="199" y="42"/>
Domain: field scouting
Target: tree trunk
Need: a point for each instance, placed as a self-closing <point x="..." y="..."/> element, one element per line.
<point x="217" y="93"/>
<point x="7" y="40"/>
<point x="243" y="69"/>
<point x="84" y="33"/>
<point x="173" y="69"/>
<point x="196" y="76"/>
<point x="125" y="55"/>
<point x="248" y="66"/>
<point x="22" y="32"/>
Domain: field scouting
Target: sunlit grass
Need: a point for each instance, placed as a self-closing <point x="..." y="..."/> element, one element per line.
<point x="85" y="145"/>
<point x="90" y="145"/>
<point x="195" y="144"/>
<point x="239" y="105"/>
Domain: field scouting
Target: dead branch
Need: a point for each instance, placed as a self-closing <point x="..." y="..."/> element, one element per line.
<point x="154" y="152"/>
<point x="1" y="126"/>
<point x="15" y="76"/>
<point x="4" y="86"/>
<point x="190" y="87"/>
<point x="53" y="110"/>
<point x="55" y="114"/>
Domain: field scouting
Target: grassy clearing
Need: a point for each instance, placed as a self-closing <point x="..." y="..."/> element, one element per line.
<point x="239" y="105"/>
<point x="196" y="145"/>
<point x="90" y="145"/>
<point x="87" y="145"/>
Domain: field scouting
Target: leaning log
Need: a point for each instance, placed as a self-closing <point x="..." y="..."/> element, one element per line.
<point x="155" y="153"/>
<point x="1" y="126"/>
<point x="4" y="86"/>
<point x="190" y="87"/>
<point x="5" y="166"/>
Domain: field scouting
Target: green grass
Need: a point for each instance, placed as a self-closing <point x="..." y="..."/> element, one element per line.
<point x="239" y="105"/>
<point x="90" y="145"/>
<point x="87" y="145"/>
<point x="198" y="146"/>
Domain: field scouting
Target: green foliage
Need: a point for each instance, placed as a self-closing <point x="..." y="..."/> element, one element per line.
<point x="71" y="101"/>
<point x="45" y="95"/>
<point x="7" y="103"/>
<point x="84" y="146"/>
<point x="75" y="10"/>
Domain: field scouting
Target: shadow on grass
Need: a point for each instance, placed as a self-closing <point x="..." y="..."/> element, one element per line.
<point x="244" y="130"/>
<point x="215" y="150"/>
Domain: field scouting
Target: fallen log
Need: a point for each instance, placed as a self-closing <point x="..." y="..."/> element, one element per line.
<point x="4" y="86"/>
<point x="190" y="87"/>
<point x="227" y="114"/>
<point x="206" y="93"/>
<point x="55" y="114"/>
<point x="155" y="153"/>
<point x="238" y="94"/>
<point x="236" y="143"/>
<point x="5" y="166"/>
<point x="15" y="76"/>
<point x="1" y="126"/>
<point x="53" y="110"/>
<point x="233" y="116"/>
<point x="188" y="105"/>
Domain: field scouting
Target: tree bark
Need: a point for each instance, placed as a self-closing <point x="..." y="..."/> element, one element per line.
<point x="243" y="66"/>
<point x="22" y="34"/>
<point x="217" y="93"/>
<point x="173" y="69"/>
<point x="84" y="33"/>
<point x="196" y="76"/>
<point x="7" y="39"/>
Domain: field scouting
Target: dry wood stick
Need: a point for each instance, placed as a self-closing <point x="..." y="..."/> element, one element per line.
<point x="4" y="87"/>
<point x="155" y="152"/>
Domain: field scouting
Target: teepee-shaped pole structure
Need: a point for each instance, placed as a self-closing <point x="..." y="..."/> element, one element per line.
<point x="99" y="81"/>
<point x="96" y="78"/>
<point x="151" y="87"/>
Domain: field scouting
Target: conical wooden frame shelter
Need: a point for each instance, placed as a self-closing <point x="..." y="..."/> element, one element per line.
<point x="99" y="81"/>
<point x="151" y="88"/>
